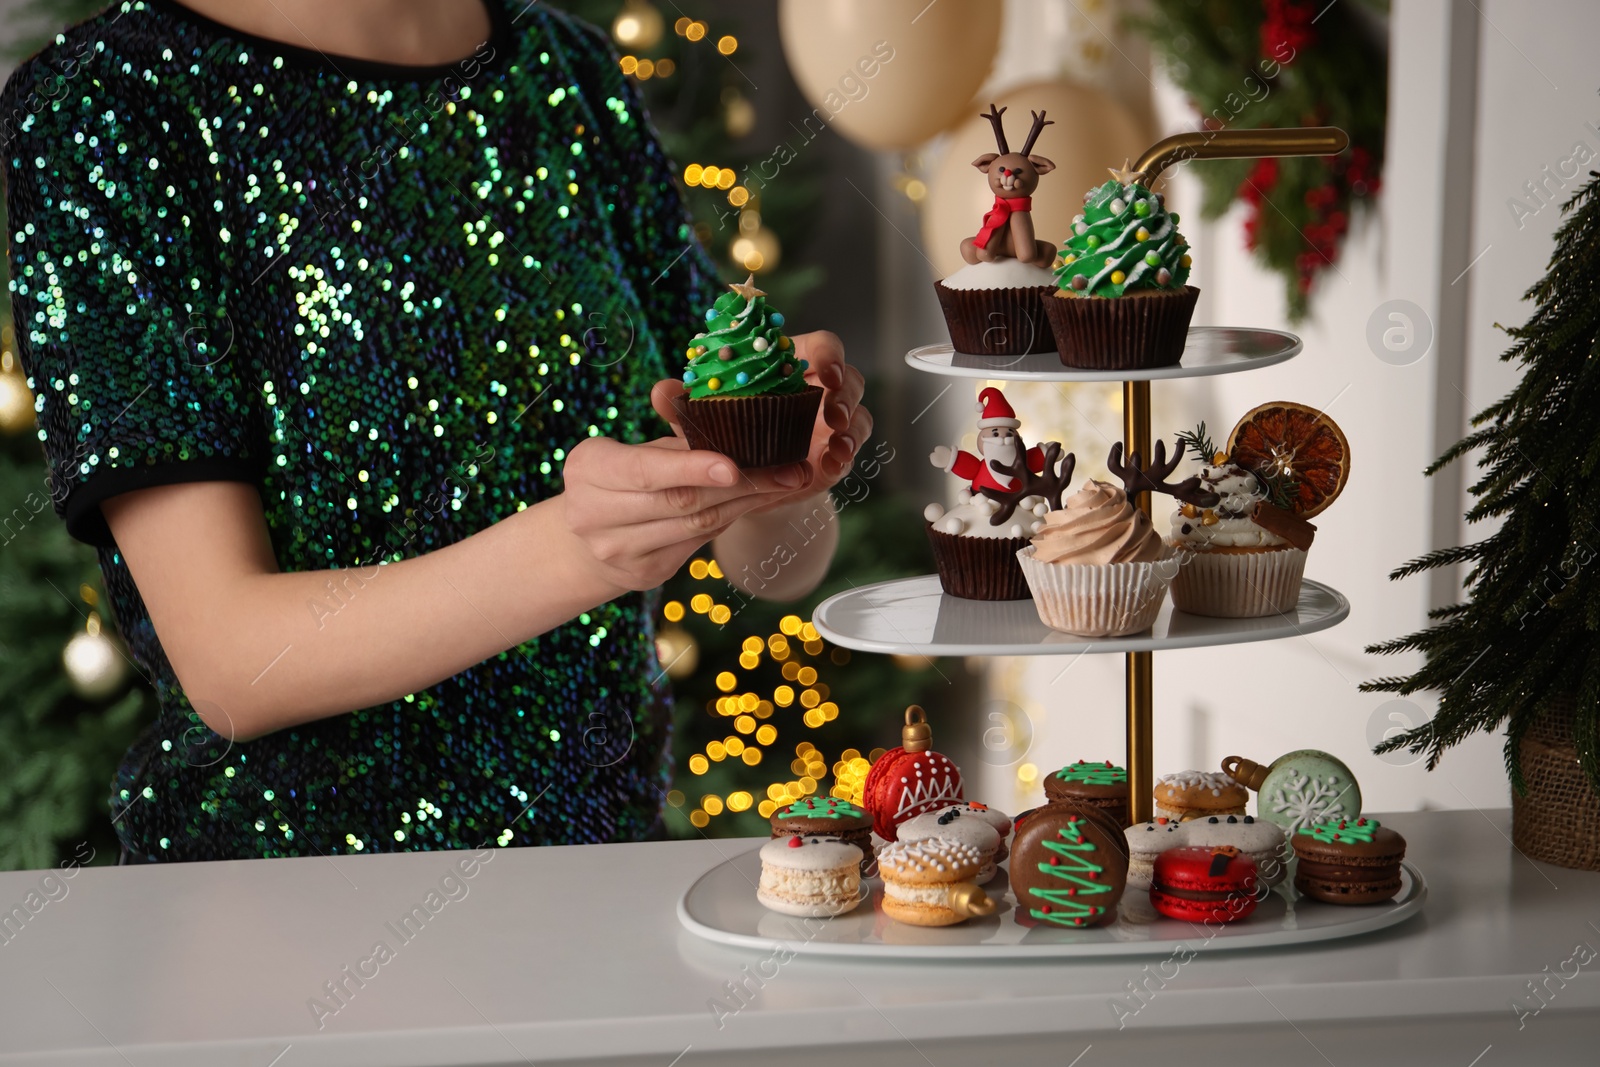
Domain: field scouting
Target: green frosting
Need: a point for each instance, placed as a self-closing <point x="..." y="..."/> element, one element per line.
<point x="1093" y="774"/>
<point x="744" y="351"/>
<point x="814" y="807"/>
<point x="1358" y="830"/>
<point x="1105" y="244"/>
<point x="1071" y="864"/>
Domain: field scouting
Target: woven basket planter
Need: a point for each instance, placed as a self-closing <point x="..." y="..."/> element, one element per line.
<point x="1558" y="821"/>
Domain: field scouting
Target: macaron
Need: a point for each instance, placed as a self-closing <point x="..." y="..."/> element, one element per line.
<point x="1146" y="841"/>
<point x="1259" y="839"/>
<point x="1348" y="861"/>
<point x="819" y="816"/>
<point x="810" y="876"/>
<point x="957" y="825"/>
<point x="1193" y="794"/>
<point x="932" y="882"/>
<point x="1069" y="866"/>
<point x="993" y="816"/>
<point x="1101" y="785"/>
<point x="1204" y="884"/>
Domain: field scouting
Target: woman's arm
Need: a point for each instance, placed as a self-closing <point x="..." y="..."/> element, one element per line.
<point x="257" y="650"/>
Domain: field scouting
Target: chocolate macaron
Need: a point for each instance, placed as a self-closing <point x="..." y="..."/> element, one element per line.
<point x="1069" y="866"/>
<point x="1101" y="785"/>
<point x="818" y="816"/>
<point x="1348" y="861"/>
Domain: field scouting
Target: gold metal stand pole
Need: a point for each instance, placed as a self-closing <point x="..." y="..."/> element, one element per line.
<point x="1239" y="144"/>
<point x="1139" y="666"/>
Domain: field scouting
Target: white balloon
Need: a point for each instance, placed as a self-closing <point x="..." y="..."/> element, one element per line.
<point x="889" y="74"/>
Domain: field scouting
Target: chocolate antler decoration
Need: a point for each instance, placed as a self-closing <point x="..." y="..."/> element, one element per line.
<point x="1153" y="478"/>
<point x="999" y="129"/>
<point x="1051" y="482"/>
<point x="1039" y="124"/>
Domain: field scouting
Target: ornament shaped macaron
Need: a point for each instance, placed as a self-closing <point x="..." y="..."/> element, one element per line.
<point x="1069" y="866"/>
<point x="1193" y="794"/>
<point x="907" y="781"/>
<point x="1204" y="884"/>
<point x="1348" y="861"/>
<point x="953" y="824"/>
<point x="819" y="816"/>
<point x="810" y="876"/>
<point x="1299" y="788"/>
<point x="1101" y="785"/>
<point x="932" y="882"/>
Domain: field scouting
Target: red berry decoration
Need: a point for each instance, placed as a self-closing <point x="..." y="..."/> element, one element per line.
<point x="909" y="780"/>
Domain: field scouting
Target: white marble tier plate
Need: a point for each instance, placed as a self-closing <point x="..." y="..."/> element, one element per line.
<point x="1210" y="350"/>
<point x="721" y="906"/>
<point x="913" y="616"/>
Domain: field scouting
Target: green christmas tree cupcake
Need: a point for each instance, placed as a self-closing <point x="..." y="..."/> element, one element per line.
<point x="747" y="396"/>
<point x="1123" y="302"/>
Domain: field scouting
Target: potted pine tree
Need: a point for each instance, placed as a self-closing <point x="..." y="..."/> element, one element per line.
<point x="1522" y="651"/>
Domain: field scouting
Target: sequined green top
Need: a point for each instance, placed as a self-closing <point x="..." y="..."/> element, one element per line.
<point x="391" y="298"/>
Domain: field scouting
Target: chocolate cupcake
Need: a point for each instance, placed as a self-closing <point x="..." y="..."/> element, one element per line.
<point x="1121" y="301"/>
<point x="747" y="394"/>
<point x="1011" y="487"/>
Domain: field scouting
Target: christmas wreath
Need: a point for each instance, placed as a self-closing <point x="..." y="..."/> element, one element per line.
<point x="1253" y="64"/>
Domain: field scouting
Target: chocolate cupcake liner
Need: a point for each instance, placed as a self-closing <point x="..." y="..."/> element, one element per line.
<point x="1097" y="599"/>
<point x="753" y="431"/>
<point x="1239" y="585"/>
<point x="997" y="322"/>
<point x="979" y="568"/>
<point x="1131" y="332"/>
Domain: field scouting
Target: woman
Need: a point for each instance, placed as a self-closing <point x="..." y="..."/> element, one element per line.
<point x="343" y="343"/>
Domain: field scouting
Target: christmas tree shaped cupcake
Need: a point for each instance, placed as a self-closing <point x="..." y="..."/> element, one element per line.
<point x="1122" y="301"/>
<point x="746" y="393"/>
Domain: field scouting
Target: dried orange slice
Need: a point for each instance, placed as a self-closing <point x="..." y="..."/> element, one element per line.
<point x="1295" y="439"/>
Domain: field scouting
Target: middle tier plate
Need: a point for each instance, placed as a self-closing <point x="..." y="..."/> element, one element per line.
<point x="1210" y="350"/>
<point x="913" y="616"/>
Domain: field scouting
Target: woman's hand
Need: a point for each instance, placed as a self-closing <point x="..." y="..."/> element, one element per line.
<point x="842" y="425"/>
<point x="643" y="510"/>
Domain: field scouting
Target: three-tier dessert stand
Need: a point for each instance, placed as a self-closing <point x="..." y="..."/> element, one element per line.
<point x="912" y="616"/>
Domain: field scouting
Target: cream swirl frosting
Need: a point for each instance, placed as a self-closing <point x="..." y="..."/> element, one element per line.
<point x="1228" y="525"/>
<point x="1098" y="525"/>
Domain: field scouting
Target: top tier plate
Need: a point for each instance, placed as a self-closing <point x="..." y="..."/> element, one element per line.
<point x="1210" y="350"/>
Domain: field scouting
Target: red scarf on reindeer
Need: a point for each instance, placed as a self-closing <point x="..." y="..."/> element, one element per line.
<point x="999" y="215"/>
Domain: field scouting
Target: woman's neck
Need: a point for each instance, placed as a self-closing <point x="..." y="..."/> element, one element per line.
<point x="408" y="32"/>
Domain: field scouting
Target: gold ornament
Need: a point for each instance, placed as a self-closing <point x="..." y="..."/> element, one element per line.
<point x="678" y="651"/>
<point x="16" y="403"/>
<point x="95" y="666"/>
<point x="637" y="25"/>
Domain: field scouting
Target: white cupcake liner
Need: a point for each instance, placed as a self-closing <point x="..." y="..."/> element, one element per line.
<point x="1238" y="585"/>
<point x="1097" y="599"/>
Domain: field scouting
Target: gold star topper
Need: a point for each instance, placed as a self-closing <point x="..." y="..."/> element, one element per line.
<point x="1123" y="175"/>
<point x="747" y="288"/>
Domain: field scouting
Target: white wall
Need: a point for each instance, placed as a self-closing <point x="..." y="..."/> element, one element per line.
<point x="1515" y="88"/>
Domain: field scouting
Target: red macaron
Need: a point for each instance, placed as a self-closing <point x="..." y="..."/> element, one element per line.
<point x="1204" y="884"/>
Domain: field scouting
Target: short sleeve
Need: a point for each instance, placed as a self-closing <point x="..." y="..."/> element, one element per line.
<point x="120" y="306"/>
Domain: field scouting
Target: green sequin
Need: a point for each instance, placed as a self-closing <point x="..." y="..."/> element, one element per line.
<point x="388" y="298"/>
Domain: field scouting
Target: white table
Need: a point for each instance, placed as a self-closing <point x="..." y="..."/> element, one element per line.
<point x="574" y="954"/>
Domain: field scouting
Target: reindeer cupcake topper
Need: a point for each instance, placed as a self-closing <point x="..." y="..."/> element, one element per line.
<point x="1007" y="231"/>
<point x="1138" y="479"/>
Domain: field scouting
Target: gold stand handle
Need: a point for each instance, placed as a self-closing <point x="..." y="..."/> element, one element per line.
<point x="1239" y="144"/>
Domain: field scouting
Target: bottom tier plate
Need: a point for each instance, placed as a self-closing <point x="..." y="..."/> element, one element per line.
<point x="721" y="906"/>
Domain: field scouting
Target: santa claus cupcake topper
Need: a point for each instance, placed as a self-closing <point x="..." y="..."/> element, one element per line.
<point x="1010" y="486"/>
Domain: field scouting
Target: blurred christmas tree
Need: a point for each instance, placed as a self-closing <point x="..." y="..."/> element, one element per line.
<point x="765" y="710"/>
<point x="67" y="711"/>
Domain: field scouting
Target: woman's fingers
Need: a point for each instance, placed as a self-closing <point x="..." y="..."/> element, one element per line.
<point x="661" y="397"/>
<point x="609" y="464"/>
<point x="843" y="447"/>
